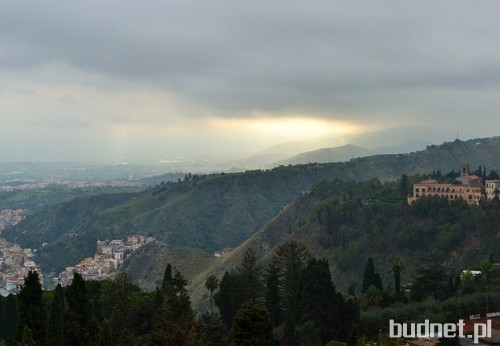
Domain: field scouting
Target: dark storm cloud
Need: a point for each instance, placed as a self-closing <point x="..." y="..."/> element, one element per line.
<point x="324" y="58"/>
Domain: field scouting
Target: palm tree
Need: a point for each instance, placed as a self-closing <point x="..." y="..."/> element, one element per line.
<point x="211" y="284"/>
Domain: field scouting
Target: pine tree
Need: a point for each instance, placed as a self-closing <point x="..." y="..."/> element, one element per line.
<point x="251" y="272"/>
<point x="291" y="258"/>
<point x="80" y="327"/>
<point x="55" y="326"/>
<point x="119" y="304"/>
<point x="176" y="323"/>
<point x="272" y="278"/>
<point x="31" y="309"/>
<point x="8" y="319"/>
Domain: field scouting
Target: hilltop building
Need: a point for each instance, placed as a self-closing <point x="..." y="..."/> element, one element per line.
<point x="470" y="188"/>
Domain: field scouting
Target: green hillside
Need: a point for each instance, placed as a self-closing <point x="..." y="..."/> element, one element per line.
<point x="148" y="263"/>
<point x="347" y="222"/>
<point x="216" y="211"/>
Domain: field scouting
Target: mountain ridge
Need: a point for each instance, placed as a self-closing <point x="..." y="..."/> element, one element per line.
<point x="219" y="210"/>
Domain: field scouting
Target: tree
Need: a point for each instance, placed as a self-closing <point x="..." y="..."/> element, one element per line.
<point x="176" y="324"/>
<point x="373" y="296"/>
<point x="309" y="334"/>
<point x="230" y="296"/>
<point x="105" y="338"/>
<point x="8" y="319"/>
<point x="252" y="325"/>
<point x="166" y="285"/>
<point x="214" y="330"/>
<point x="27" y="337"/>
<point x="119" y="304"/>
<point x="80" y="327"/>
<point x="272" y="279"/>
<point x="31" y="309"/>
<point x="55" y="335"/>
<point x="397" y="268"/>
<point x="251" y="272"/>
<point x="370" y="277"/>
<point x="211" y="285"/>
<point x="291" y="257"/>
<point x="320" y="302"/>
<point x="430" y="280"/>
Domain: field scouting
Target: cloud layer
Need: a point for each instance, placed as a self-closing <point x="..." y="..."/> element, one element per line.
<point x="93" y="67"/>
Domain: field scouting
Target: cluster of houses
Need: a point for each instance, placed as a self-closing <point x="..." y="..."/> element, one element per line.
<point x="470" y="188"/>
<point x="10" y="217"/>
<point x="15" y="263"/>
<point x="106" y="261"/>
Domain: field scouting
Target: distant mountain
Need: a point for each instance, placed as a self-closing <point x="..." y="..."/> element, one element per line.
<point x="327" y="155"/>
<point x="219" y="210"/>
<point x="338" y="148"/>
<point x="349" y="152"/>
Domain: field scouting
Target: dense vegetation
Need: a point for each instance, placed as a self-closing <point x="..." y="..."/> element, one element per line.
<point x="291" y="300"/>
<point x="216" y="211"/>
<point x="37" y="199"/>
<point x="356" y="220"/>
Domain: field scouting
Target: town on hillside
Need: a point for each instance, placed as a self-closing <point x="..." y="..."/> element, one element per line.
<point x="16" y="262"/>
<point x="108" y="257"/>
<point x="469" y="187"/>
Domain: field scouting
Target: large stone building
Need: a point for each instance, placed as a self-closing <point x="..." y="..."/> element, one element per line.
<point x="470" y="190"/>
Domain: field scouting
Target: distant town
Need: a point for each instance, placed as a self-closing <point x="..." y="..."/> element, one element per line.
<point x="16" y="262"/>
<point x="108" y="257"/>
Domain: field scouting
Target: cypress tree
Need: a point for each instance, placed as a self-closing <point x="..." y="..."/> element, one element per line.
<point x="166" y="285"/>
<point x="31" y="309"/>
<point x="320" y="302"/>
<point x="230" y="296"/>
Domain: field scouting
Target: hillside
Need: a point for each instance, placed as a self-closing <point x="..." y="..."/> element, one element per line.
<point x="338" y="154"/>
<point x="216" y="211"/>
<point x="147" y="264"/>
<point x="347" y="222"/>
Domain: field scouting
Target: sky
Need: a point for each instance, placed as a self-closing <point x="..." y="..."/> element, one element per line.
<point x="109" y="80"/>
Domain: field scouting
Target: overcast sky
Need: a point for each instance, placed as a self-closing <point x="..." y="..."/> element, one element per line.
<point x="111" y="79"/>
